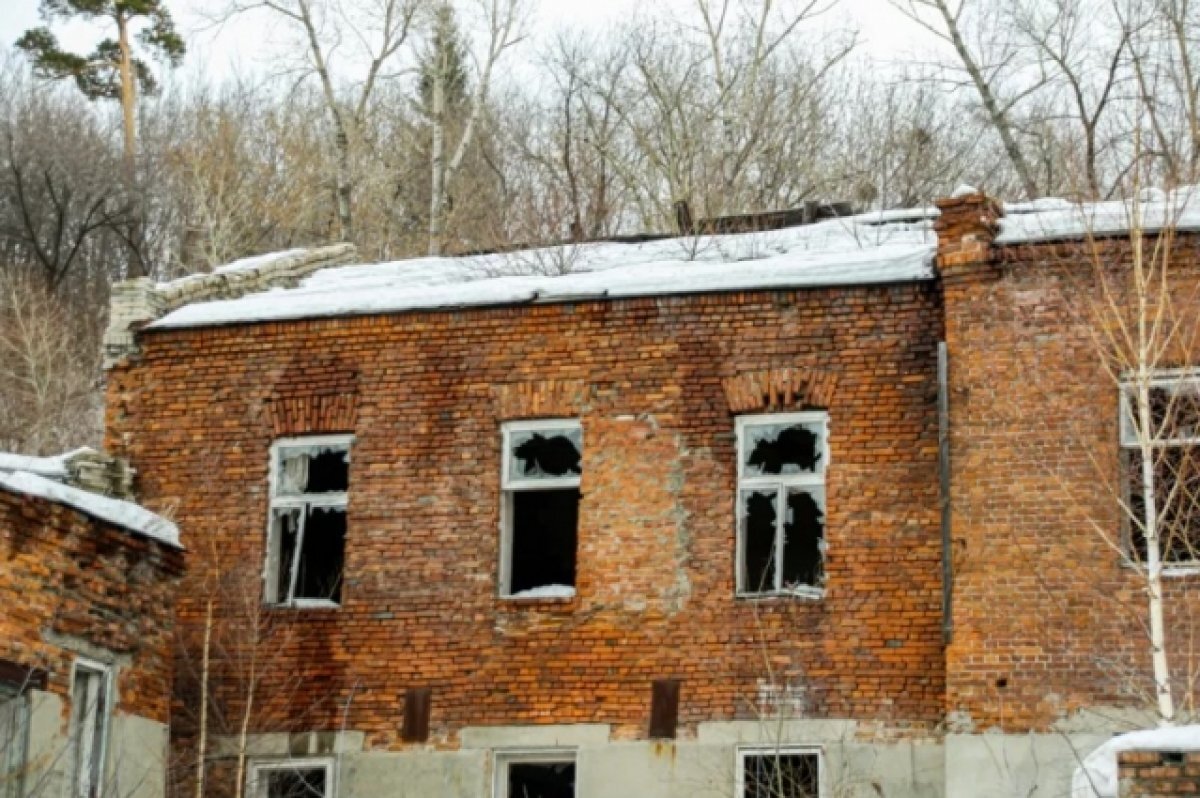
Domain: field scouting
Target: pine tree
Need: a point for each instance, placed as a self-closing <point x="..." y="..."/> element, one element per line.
<point x="111" y="71"/>
<point x="445" y="58"/>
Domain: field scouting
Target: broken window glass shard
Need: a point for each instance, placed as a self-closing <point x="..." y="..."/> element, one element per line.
<point x="546" y="453"/>
<point x="759" y="517"/>
<point x="804" y="538"/>
<point x="544" y="524"/>
<point x="541" y="780"/>
<point x="287" y="535"/>
<point x="783" y="449"/>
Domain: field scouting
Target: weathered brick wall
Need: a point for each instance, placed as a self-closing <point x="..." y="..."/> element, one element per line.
<point x="1159" y="774"/>
<point x="652" y="381"/>
<point x="65" y="577"/>
<point x="1047" y="619"/>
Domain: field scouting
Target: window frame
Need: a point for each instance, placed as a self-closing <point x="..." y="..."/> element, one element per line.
<point x="14" y="753"/>
<point x="510" y="485"/>
<point x="1128" y="445"/>
<point x="256" y="766"/>
<point x="301" y="502"/>
<point x="743" y="752"/>
<point x="104" y="713"/>
<point x="780" y="483"/>
<point x="502" y="758"/>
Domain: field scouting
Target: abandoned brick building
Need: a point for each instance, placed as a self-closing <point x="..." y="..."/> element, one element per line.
<point x="87" y="587"/>
<point x="680" y="517"/>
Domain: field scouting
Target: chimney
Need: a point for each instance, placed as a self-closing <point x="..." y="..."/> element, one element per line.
<point x="966" y="229"/>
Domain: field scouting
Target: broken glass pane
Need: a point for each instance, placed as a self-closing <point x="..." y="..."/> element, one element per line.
<point x="759" y="514"/>
<point x="1177" y="493"/>
<point x="314" y="469"/>
<point x="783" y="449"/>
<point x="299" y="783"/>
<point x="541" y="780"/>
<point x="804" y="537"/>
<point x="782" y="775"/>
<point x="286" y="532"/>
<point x="320" y="563"/>
<point x="546" y="454"/>
<point x="544" y="532"/>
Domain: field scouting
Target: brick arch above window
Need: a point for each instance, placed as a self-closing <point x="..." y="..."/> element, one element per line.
<point x="541" y="399"/>
<point x="314" y="395"/>
<point x="774" y="389"/>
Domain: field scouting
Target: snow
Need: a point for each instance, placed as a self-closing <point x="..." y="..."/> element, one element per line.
<point x="119" y="513"/>
<point x="546" y="591"/>
<point x="1097" y="777"/>
<point x="1052" y="218"/>
<point x="53" y="467"/>
<point x="857" y="250"/>
<point x="244" y="264"/>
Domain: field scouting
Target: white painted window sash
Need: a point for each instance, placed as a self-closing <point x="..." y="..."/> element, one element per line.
<point x="535" y="756"/>
<point x="93" y="708"/>
<point x="256" y="784"/>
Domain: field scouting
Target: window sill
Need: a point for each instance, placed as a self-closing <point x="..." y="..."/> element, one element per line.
<point x="306" y="604"/>
<point x="535" y="602"/>
<point x="803" y="594"/>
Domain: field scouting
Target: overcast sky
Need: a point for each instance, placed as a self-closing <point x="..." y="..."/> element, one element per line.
<point x="885" y="34"/>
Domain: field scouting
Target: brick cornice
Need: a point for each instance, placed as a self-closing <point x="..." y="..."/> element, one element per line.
<point x="779" y="389"/>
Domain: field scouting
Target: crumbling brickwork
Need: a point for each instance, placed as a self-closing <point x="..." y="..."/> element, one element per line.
<point x="197" y="411"/>
<point x="1159" y="774"/>
<point x="1047" y="620"/>
<point x="70" y="584"/>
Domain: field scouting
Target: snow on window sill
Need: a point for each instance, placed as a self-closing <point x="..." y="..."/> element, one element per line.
<point x="803" y="593"/>
<point x="551" y="592"/>
<point x="305" y="604"/>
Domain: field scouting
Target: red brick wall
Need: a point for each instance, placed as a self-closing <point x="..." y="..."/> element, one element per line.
<point x="1158" y="774"/>
<point x="198" y="411"/>
<point x="1047" y="620"/>
<point x="69" y="575"/>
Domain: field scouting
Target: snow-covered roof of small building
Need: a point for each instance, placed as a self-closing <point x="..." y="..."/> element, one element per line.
<point x="1051" y="218"/>
<point x="42" y="477"/>
<point x="1098" y="775"/>
<point x="888" y="247"/>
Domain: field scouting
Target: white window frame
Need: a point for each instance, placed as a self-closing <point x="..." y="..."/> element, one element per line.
<point x="255" y="789"/>
<point x="78" y="736"/>
<point x="744" y="752"/>
<point x="780" y="483"/>
<point x="510" y="484"/>
<point x="338" y="501"/>
<point x="532" y="756"/>
<point x="1163" y="378"/>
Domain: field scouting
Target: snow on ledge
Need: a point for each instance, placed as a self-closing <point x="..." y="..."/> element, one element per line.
<point x="120" y="513"/>
<point x="1098" y="776"/>
<point x="869" y="249"/>
<point x="1051" y="218"/>
<point x="545" y="591"/>
<point x="51" y="467"/>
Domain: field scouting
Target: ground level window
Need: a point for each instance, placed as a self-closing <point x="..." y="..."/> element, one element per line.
<point x="541" y="468"/>
<point x="779" y="773"/>
<point x="781" y="503"/>
<point x="536" y="775"/>
<point x="306" y="541"/>
<point x="298" y="778"/>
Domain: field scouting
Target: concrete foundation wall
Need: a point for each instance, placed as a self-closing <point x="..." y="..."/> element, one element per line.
<point x="136" y="755"/>
<point x="702" y="767"/>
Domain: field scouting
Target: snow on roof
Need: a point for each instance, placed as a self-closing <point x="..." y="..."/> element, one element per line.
<point x="857" y="250"/>
<point x="53" y="467"/>
<point x="1097" y="776"/>
<point x="1052" y="218"/>
<point x="124" y="514"/>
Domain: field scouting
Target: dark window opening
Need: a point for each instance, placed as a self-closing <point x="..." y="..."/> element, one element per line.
<point x="760" y="541"/>
<point x="803" y="535"/>
<point x="553" y="456"/>
<point x="782" y="775"/>
<point x="1176" y="478"/>
<point x="541" y="780"/>
<point x="328" y="472"/>
<point x="544" y="538"/>
<point x="319" y="570"/>
<point x="784" y="450"/>
<point x="297" y="783"/>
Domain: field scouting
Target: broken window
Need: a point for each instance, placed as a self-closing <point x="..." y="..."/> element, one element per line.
<point x="1173" y="438"/>
<point x="535" y="775"/>
<point x="542" y="464"/>
<point x="780" y="773"/>
<point x="781" y="503"/>
<point x="90" y="708"/>
<point x="14" y="737"/>
<point x="307" y="537"/>
<point x="299" y="778"/>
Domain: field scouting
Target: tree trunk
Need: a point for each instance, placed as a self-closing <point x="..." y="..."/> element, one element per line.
<point x="205" y="660"/>
<point x="343" y="189"/>
<point x="128" y="96"/>
<point x="437" y="192"/>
